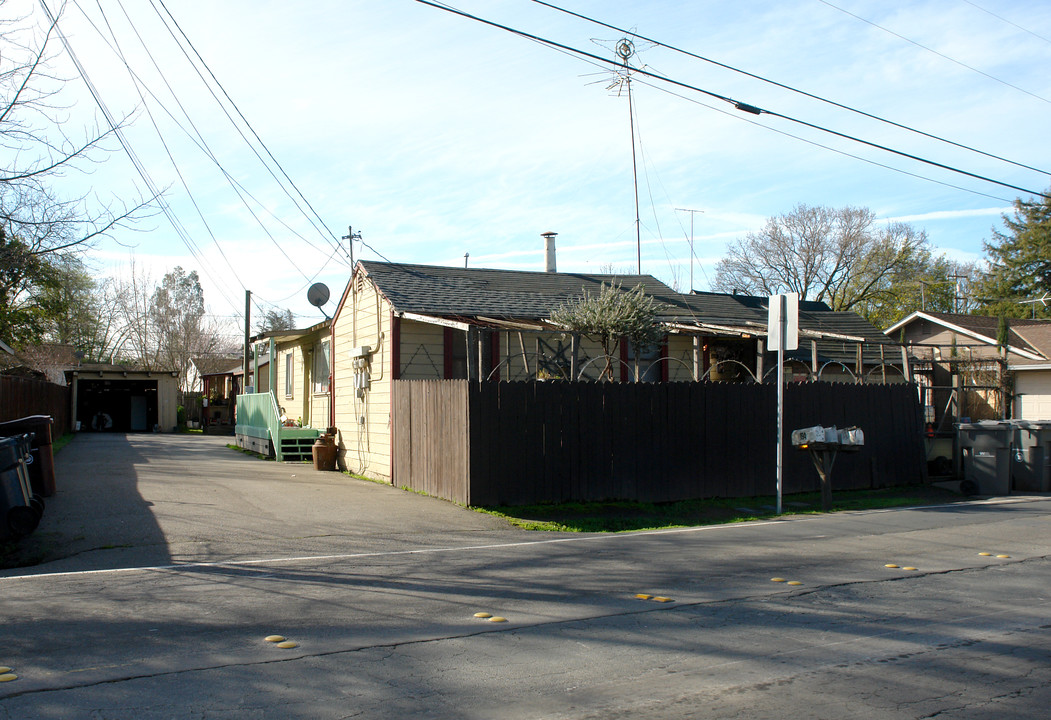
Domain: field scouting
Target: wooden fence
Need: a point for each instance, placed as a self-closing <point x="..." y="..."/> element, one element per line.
<point x="519" y="443"/>
<point x="20" y="397"/>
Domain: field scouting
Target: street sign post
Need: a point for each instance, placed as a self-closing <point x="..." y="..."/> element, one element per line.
<point x="782" y="333"/>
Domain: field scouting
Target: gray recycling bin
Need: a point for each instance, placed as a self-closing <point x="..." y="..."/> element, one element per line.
<point x="985" y="449"/>
<point x="1031" y="456"/>
<point x="20" y="510"/>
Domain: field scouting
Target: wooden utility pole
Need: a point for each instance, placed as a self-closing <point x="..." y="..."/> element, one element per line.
<point x="248" y="336"/>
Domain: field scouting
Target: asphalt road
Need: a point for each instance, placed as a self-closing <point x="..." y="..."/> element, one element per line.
<point x="378" y="590"/>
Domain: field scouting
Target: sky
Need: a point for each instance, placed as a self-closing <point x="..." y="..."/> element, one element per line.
<point x="437" y="137"/>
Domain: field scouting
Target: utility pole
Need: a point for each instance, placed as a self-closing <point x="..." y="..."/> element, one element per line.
<point x="692" y="214"/>
<point x="350" y="237"/>
<point x="248" y="336"/>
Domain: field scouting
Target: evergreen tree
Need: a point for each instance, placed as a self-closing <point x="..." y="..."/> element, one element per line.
<point x="1020" y="262"/>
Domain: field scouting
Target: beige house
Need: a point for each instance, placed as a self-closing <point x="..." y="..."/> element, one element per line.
<point x="417" y="322"/>
<point x="965" y="373"/>
<point x="295" y="363"/>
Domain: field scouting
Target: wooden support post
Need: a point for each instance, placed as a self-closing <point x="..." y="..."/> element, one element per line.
<point x="859" y="367"/>
<point x="883" y="364"/>
<point x="813" y="358"/>
<point x="574" y="343"/>
<point x="696" y="358"/>
<point x="759" y="359"/>
<point x="472" y="353"/>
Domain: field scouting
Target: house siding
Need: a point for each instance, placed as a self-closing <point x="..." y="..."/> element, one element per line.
<point x="364" y="319"/>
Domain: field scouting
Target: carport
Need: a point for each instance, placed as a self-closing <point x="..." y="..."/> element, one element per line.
<point x="110" y="398"/>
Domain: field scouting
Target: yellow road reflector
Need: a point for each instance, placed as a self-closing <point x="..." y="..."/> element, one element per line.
<point x="4" y="670"/>
<point x="1003" y="556"/>
<point x="777" y="579"/>
<point x="909" y="568"/>
<point x="890" y="565"/>
<point x="8" y="677"/>
<point x="986" y="554"/>
<point x="662" y="599"/>
<point x="275" y="638"/>
<point x="483" y="615"/>
<point x="794" y="582"/>
<point x="644" y="596"/>
<point x="287" y="644"/>
<point x="497" y="618"/>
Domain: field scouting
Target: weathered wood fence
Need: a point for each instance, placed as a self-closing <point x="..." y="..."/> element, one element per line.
<point x="515" y="443"/>
<point x="20" y="397"/>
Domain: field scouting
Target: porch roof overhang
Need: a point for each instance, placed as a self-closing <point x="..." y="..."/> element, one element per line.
<point x="676" y="326"/>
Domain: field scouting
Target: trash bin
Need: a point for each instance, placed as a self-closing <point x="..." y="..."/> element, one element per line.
<point x="985" y="449"/>
<point x="42" y="460"/>
<point x="20" y="511"/>
<point x="1031" y="458"/>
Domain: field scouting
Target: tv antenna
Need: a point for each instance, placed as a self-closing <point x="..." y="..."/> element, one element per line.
<point x="1042" y="300"/>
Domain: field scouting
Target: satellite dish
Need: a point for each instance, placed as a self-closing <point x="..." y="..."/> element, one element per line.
<point x="317" y="295"/>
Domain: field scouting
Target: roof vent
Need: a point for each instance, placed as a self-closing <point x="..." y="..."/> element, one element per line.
<point x="549" y="251"/>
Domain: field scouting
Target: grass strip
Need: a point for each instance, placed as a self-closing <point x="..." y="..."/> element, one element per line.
<point x="628" y="516"/>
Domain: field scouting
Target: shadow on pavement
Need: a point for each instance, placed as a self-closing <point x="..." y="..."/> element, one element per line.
<point x="97" y="506"/>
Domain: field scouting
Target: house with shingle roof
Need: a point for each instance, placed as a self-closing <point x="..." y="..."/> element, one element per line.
<point x="965" y="346"/>
<point x="400" y="321"/>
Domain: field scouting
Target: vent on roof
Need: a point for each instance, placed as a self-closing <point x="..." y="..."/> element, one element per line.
<point x="549" y="251"/>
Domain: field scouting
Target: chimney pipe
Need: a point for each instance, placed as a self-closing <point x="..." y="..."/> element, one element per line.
<point x="549" y="251"/>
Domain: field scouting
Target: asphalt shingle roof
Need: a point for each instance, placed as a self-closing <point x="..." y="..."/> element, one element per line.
<point x="505" y="294"/>
<point x="521" y="295"/>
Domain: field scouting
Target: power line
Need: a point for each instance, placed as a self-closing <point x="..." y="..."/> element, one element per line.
<point x="742" y="106"/>
<point x="323" y="229"/>
<point x="934" y="52"/>
<point x="118" y="131"/>
<point x="1002" y="18"/>
<point x="790" y="88"/>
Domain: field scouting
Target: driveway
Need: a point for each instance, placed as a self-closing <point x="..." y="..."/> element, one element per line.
<point x="138" y="500"/>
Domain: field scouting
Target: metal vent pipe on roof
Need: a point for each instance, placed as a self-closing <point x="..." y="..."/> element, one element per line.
<point x="549" y="251"/>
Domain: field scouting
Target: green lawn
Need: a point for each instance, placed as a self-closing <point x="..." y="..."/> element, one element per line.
<point x="624" y="516"/>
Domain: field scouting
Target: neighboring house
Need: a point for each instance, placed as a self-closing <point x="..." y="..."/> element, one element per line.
<point x="299" y="372"/>
<point x="193" y="381"/>
<point x="966" y="373"/>
<point x="398" y="321"/>
<point x="288" y="420"/>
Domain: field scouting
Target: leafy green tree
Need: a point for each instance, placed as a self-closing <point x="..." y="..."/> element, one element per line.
<point x="610" y="316"/>
<point x="1019" y="260"/>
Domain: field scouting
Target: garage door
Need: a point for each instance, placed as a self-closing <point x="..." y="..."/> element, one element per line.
<point x="1035" y="389"/>
<point x="117" y="405"/>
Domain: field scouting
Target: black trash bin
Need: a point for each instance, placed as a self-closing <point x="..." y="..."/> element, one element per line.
<point x="42" y="459"/>
<point x="20" y="510"/>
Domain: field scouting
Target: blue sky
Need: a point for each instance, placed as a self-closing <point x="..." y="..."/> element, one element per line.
<point x="436" y="136"/>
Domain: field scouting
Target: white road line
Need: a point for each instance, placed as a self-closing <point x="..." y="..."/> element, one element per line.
<point x="770" y="522"/>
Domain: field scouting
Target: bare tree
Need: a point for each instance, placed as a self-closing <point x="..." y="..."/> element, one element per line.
<point x="842" y="257"/>
<point x="38" y="224"/>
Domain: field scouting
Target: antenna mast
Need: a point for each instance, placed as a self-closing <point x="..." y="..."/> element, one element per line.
<point x="692" y="214"/>
<point x="625" y="50"/>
